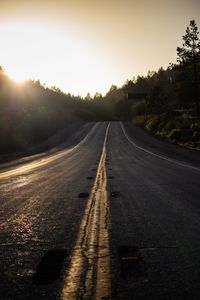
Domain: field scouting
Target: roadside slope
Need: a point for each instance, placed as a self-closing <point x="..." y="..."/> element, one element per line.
<point x="66" y="138"/>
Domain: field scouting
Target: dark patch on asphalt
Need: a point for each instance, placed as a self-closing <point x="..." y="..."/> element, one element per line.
<point x="83" y="195"/>
<point x="111" y="177"/>
<point x="90" y="177"/>
<point x="94" y="169"/>
<point x="49" y="268"/>
<point x="115" y="194"/>
<point x="110" y="169"/>
<point x="131" y="264"/>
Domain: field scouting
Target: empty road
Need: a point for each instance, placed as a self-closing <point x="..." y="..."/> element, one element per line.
<point x="114" y="215"/>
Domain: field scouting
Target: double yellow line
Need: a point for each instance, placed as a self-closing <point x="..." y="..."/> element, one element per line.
<point x="88" y="276"/>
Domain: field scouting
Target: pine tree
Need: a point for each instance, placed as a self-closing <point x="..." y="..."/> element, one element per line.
<point x="190" y="50"/>
<point x="189" y="54"/>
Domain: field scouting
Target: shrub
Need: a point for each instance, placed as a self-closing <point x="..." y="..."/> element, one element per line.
<point x="138" y="108"/>
<point x="175" y="134"/>
<point x="139" y="121"/>
<point x="152" y="124"/>
<point x="171" y="124"/>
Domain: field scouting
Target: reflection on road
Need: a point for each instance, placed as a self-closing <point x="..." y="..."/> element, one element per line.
<point x="88" y="276"/>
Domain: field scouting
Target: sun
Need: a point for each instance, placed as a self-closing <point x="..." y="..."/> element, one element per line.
<point x="33" y="50"/>
<point x="56" y="57"/>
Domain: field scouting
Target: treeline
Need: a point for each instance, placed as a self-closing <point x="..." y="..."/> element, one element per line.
<point x="30" y="113"/>
<point x="170" y="108"/>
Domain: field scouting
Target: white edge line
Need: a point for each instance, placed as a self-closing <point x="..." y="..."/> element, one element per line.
<point x="158" y="155"/>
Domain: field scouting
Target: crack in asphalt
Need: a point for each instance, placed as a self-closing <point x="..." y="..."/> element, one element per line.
<point x="88" y="276"/>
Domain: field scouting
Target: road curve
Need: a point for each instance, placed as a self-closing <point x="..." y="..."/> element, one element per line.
<point x="158" y="214"/>
<point x="135" y="237"/>
<point x="40" y="210"/>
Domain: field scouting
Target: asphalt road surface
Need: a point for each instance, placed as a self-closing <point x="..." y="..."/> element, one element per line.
<point x="115" y="215"/>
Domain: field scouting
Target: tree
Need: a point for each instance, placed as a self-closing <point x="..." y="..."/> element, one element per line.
<point x="190" y="50"/>
<point x="88" y="97"/>
<point x="98" y="96"/>
<point x="189" y="55"/>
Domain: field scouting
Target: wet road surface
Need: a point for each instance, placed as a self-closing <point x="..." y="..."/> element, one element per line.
<point x="123" y="210"/>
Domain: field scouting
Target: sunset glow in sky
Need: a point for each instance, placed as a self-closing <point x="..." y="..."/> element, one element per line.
<point x="86" y="46"/>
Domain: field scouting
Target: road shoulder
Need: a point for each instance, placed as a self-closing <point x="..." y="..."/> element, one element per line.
<point x="140" y="137"/>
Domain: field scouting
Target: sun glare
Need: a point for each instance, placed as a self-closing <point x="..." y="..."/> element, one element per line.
<point x="38" y="51"/>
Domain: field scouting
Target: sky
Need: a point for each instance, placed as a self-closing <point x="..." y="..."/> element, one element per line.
<point x="85" y="46"/>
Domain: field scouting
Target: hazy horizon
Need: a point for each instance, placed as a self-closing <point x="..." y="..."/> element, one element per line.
<point x="86" y="46"/>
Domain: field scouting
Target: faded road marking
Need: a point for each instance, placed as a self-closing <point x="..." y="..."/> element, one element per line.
<point x="88" y="276"/>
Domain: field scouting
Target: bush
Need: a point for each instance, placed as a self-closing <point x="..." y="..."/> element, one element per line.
<point x="170" y="125"/>
<point x="178" y="123"/>
<point x="184" y="121"/>
<point x="175" y="134"/>
<point x="138" y="108"/>
<point x="152" y="124"/>
<point x="196" y="136"/>
<point x="139" y="121"/>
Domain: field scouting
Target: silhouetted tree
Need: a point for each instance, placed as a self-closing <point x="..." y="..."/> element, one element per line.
<point x="88" y="97"/>
<point x="189" y="55"/>
<point x="98" y="96"/>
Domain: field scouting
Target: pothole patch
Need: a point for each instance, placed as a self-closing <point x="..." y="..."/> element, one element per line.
<point x="49" y="268"/>
<point x="83" y="195"/>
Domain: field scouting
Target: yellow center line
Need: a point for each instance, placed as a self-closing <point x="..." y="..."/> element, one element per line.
<point x="88" y="276"/>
